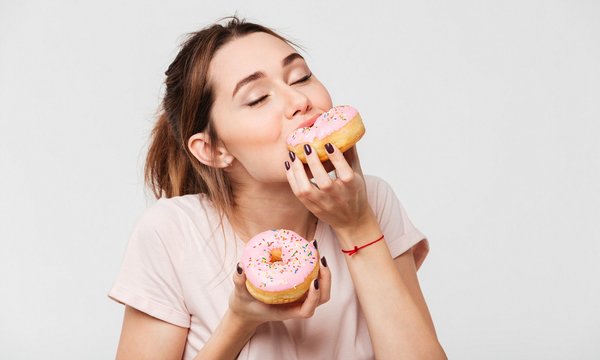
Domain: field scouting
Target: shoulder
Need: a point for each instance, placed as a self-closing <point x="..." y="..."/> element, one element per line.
<point x="377" y="189"/>
<point x="383" y="199"/>
<point x="374" y="182"/>
<point x="169" y="218"/>
<point x="400" y="233"/>
<point x="178" y="209"/>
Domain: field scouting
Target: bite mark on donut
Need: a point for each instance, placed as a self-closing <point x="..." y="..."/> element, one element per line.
<point x="341" y="126"/>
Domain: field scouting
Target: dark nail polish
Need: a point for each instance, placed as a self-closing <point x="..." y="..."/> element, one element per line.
<point x="239" y="269"/>
<point x="329" y="148"/>
<point x="287" y="165"/>
<point x="292" y="156"/>
<point x="315" y="244"/>
<point x="307" y="149"/>
<point x="316" y="284"/>
<point x="324" y="261"/>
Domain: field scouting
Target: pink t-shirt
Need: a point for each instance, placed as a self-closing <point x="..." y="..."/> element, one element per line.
<point x="179" y="263"/>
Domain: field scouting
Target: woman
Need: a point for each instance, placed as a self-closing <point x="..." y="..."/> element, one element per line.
<point x="219" y="164"/>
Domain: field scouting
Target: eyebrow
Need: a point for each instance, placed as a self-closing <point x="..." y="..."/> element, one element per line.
<point x="291" y="57"/>
<point x="257" y="75"/>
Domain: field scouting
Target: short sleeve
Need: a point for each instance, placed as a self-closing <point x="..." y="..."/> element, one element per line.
<point x="149" y="278"/>
<point x="400" y="233"/>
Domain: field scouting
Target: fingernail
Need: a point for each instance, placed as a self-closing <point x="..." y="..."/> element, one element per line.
<point x="307" y="149"/>
<point x="316" y="284"/>
<point x="287" y="165"/>
<point x="329" y="148"/>
<point x="292" y="156"/>
<point x="324" y="261"/>
<point x="315" y="244"/>
<point x="239" y="269"/>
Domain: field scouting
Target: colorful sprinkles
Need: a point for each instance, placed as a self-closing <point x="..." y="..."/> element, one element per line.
<point x="325" y="124"/>
<point x="296" y="254"/>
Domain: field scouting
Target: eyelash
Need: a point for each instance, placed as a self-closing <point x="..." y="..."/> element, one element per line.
<point x="263" y="98"/>
<point x="258" y="101"/>
<point x="303" y="79"/>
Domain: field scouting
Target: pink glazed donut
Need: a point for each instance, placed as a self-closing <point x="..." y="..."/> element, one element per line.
<point x="341" y="126"/>
<point x="279" y="266"/>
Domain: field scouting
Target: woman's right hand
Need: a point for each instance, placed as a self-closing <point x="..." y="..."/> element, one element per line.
<point x="254" y="312"/>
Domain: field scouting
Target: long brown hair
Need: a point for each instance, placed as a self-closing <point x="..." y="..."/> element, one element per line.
<point x="171" y="169"/>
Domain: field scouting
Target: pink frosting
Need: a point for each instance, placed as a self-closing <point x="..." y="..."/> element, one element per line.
<point x="326" y="124"/>
<point x="298" y="258"/>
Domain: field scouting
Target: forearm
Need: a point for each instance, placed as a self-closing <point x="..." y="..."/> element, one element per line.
<point x="397" y="317"/>
<point x="228" y="339"/>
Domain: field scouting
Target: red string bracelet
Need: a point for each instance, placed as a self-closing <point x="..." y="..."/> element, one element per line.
<point x="356" y="248"/>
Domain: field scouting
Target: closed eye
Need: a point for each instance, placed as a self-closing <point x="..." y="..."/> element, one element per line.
<point x="304" y="79"/>
<point x="258" y="101"/>
<point x="264" y="97"/>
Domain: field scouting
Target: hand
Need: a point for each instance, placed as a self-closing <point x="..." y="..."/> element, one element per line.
<point x="254" y="312"/>
<point x="340" y="202"/>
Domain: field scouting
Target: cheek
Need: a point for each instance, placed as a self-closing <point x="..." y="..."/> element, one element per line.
<point x="261" y="133"/>
<point x="321" y="98"/>
<point x="261" y="148"/>
<point x="266" y="130"/>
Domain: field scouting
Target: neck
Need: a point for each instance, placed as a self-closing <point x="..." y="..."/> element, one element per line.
<point x="274" y="206"/>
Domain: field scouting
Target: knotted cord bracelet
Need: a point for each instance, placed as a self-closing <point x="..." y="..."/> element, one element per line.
<point x="356" y="248"/>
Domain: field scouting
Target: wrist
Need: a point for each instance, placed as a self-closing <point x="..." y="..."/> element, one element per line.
<point x="359" y="233"/>
<point x="240" y="323"/>
<point x="228" y="339"/>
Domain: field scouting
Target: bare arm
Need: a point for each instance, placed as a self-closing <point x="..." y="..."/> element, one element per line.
<point x="146" y="337"/>
<point x="399" y="322"/>
<point x="229" y="338"/>
<point x="397" y="316"/>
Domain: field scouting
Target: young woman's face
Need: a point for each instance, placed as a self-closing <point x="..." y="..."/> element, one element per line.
<point x="263" y="90"/>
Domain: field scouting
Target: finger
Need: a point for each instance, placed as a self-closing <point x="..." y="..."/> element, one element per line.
<point x="324" y="281"/>
<point x="321" y="177"/>
<point x="303" y="185"/>
<point x="290" y="177"/>
<point x="312" y="300"/>
<point x="239" y="279"/>
<point x="307" y="187"/>
<point x="342" y="169"/>
<point x="354" y="160"/>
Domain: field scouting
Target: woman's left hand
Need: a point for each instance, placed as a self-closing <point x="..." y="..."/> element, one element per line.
<point x="340" y="202"/>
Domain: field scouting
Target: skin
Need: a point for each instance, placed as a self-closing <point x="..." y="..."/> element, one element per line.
<point x="252" y="149"/>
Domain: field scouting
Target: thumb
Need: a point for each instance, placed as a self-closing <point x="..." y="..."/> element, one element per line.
<point x="239" y="277"/>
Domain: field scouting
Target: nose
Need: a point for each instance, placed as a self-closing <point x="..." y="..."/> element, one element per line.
<point x="297" y="103"/>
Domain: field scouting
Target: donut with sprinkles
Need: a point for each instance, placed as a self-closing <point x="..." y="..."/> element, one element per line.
<point x="279" y="266"/>
<point x="341" y="126"/>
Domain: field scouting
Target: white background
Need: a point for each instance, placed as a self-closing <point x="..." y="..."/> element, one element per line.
<point x="483" y="115"/>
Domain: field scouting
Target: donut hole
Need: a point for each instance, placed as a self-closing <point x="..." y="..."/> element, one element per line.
<point x="275" y="255"/>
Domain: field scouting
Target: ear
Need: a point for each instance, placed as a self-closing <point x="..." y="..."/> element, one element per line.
<point x="202" y="150"/>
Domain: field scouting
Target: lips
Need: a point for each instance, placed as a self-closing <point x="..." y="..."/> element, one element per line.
<point x="309" y="122"/>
